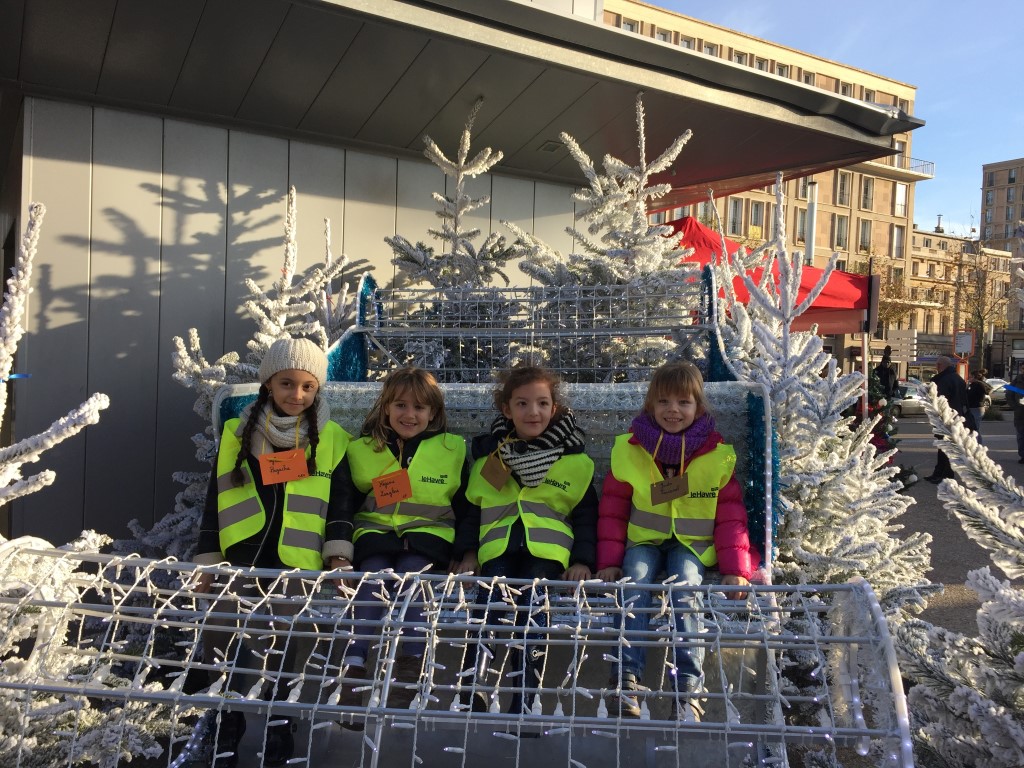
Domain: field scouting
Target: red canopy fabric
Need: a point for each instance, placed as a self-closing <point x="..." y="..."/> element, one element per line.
<point x="839" y="308"/>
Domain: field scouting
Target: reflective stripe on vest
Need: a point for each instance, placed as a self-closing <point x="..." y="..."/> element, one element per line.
<point x="240" y="512"/>
<point x="544" y="509"/>
<point x="689" y="519"/>
<point x="435" y="475"/>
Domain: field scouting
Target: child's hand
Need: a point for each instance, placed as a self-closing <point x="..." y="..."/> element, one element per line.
<point x="337" y="563"/>
<point x="469" y="564"/>
<point x="611" y="573"/>
<point x="735" y="581"/>
<point x="577" y="572"/>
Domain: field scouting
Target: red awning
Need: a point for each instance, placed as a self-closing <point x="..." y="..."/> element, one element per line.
<point x="839" y="308"/>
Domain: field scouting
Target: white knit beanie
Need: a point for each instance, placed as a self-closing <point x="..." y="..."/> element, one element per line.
<point x="301" y="354"/>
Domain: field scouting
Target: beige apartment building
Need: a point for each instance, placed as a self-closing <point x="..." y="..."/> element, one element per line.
<point x="865" y="212"/>
<point x="958" y="284"/>
<point x="1002" y="227"/>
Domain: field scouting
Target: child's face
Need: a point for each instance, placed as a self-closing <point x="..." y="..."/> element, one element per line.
<point x="675" y="412"/>
<point x="292" y="391"/>
<point x="530" y="408"/>
<point x="408" y="417"/>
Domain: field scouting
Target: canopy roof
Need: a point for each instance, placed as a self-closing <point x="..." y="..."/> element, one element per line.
<point x="380" y="74"/>
<point x="841" y="307"/>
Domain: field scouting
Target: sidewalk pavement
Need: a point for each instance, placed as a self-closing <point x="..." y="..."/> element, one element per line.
<point x="953" y="554"/>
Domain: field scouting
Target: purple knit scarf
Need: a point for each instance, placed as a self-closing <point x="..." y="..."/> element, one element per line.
<point x="647" y="432"/>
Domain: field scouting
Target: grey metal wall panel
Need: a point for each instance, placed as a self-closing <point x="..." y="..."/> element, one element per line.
<point x="64" y="43"/>
<point x="553" y="212"/>
<point x="57" y="172"/>
<point x="370" y="199"/>
<point x="318" y="175"/>
<point x="257" y="186"/>
<point x="124" y="303"/>
<point x="193" y="253"/>
<point x="512" y="200"/>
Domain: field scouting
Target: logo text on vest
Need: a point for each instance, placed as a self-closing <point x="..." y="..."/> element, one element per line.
<point x="562" y="486"/>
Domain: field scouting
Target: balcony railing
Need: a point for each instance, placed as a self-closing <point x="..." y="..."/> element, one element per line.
<point x="908" y="163"/>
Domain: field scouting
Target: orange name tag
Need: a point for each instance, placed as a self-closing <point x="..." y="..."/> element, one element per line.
<point x="670" y="489"/>
<point x="283" y="466"/>
<point x="392" y="488"/>
<point x="495" y="471"/>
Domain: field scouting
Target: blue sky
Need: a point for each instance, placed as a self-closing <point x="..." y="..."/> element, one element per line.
<point x="964" y="59"/>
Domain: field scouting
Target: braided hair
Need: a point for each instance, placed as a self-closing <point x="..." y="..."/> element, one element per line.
<point x="245" y="451"/>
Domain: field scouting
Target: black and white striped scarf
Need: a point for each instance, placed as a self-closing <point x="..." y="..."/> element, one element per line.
<point x="530" y="460"/>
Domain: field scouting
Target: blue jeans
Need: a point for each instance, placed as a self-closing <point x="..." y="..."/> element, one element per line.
<point x="412" y="644"/>
<point x="643" y="563"/>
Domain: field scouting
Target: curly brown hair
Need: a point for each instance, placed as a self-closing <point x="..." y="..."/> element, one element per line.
<point x="513" y="378"/>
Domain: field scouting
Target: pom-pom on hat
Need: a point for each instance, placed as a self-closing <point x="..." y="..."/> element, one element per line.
<point x="301" y="354"/>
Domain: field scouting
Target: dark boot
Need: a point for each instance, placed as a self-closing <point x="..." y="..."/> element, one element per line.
<point x="280" y="742"/>
<point x="405" y="683"/>
<point x="210" y="738"/>
<point x="524" y="694"/>
<point x="626" y="702"/>
<point x="352" y="698"/>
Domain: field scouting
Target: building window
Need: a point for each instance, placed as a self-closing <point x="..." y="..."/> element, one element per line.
<point x="990" y="196"/>
<point x="930" y="271"/>
<point x="927" y="322"/>
<point x="1011" y="194"/>
<point x="809" y="78"/>
<point x="782" y="70"/>
<point x="869" y="95"/>
<point x="801" y="187"/>
<point x="841" y="265"/>
<point x="867" y="192"/>
<point x="896" y="275"/>
<point x="840" y="231"/>
<point x="756" y="227"/>
<point x="943" y="245"/>
<point x="944" y="325"/>
<point x="761" y="64"/>
<point x="630" y="26"/>
<point x="864" y="236"/>
<point x="739" y="58"/>
<point x="990" y="179"/>
<point x="657" y="218"/>
<point x="1007" y="229"/>
<point x="686" y="42"/>
<point x="915" y="268"/>
<point x="664" y="35"/>
<point x="988" y="231"/>
<point x="927" y="242"/>
<point x="845" y="89"/>
<point x="988" y="215"/>
<point x="1009" y="212"/>
<point x="899" y="204"/>
<point x="904" y="105"/>
<point x="899" y="239"/>
<point x="913" y="319"/>
<point x="1011" y="176"/>
<point x="710" y="49"/>
<point x="844" y="183"/>
<point x="801" y="225"/>
<point x="735" y="216"/>
<point x="705" y="214"/>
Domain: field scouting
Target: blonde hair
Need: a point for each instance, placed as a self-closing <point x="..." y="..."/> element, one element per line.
<point x="514" y="378"/>
<point x="676" y="379"/>
<point x="421" y="387"/>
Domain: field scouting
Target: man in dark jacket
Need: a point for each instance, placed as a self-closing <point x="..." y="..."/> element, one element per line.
<point x="951" y="386"/>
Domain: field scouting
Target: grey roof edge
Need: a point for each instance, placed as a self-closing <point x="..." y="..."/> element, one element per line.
<point x="597" y="40"/>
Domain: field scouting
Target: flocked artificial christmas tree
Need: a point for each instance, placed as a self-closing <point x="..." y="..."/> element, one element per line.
<point x="34" y="724"/>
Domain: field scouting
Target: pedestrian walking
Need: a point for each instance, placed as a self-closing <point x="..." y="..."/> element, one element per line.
<point x="951" y="386"/>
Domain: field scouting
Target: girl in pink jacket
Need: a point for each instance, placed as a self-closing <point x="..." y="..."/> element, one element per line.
<point x="670" y="504"/>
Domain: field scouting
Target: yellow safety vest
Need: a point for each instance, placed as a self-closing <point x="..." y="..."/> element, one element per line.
<point x="435" y="474"/>
<point x="690" y="518"/>
<point x="544" y="509"/>
<point x="240" y="511"/>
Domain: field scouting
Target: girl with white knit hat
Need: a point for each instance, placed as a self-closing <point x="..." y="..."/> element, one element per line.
<point x="271" y="504"/>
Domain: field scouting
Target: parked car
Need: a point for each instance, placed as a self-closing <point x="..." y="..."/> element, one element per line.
<point x="998" y="393"/>
<point x="908" y="405"/>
